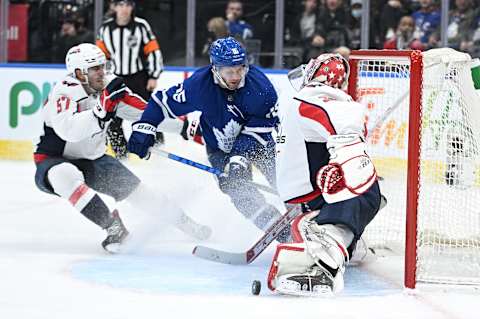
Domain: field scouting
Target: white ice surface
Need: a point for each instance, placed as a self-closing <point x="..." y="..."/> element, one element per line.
<point x="52" y="265"/>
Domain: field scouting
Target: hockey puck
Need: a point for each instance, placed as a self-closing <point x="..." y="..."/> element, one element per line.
<point x="256" y="287"/>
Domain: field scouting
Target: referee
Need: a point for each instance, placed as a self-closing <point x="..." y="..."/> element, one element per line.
<point x="130" y="45"/>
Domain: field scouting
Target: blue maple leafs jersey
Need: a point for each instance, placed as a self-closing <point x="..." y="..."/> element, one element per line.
<point x="231" y="121"/>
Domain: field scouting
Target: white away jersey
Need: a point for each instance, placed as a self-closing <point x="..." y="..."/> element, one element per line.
<point x="70" y="128"/>
<point x="307" y="118"/>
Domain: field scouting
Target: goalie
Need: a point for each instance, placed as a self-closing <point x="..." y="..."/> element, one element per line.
<point x="322" y="164"/>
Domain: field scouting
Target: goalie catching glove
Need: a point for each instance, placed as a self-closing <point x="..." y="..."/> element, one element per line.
<point x="349" y="173"/>
<point x="107" y="102"/>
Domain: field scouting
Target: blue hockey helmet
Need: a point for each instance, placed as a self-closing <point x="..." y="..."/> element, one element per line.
<point x="229" y="63"/>
<point x="227" y="52"/>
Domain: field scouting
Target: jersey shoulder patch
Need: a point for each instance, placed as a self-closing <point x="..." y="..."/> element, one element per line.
<point x="318" y="94"/>
<point x="71" y="88"/>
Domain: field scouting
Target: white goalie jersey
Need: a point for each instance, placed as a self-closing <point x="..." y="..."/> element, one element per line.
<point x="71" y="129"/>
<point x="308" y="120"/>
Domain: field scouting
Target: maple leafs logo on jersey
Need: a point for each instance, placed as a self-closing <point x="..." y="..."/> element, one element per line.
<point x="226" y="138"/>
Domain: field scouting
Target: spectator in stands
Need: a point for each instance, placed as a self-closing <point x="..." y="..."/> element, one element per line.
<point x="237" y="27"/>
<point x="427" y="20"/>
<point x="404" y="36"/>
<point x="217" y="28"/>
<point x="343" y="51"/>
<point x="69" y="37"/>
<point x="110" y="12"/>
<point x="82" y="29"/>
<point x="460" y="25"/>
<point x="332" y="27"/>
<point x="304" y="27"/>
<point x="471" y="43"/>
<point x="355" y="27"/>
<point x="390" y="16"/>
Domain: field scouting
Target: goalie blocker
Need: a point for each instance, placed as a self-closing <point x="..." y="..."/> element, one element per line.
<point x="349" y="173"/>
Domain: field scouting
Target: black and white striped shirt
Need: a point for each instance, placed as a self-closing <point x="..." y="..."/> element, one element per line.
<point x="132" y="48"/>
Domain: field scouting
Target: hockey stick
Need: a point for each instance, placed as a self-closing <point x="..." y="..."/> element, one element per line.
<point x="251" y="254"/>
<point x="206" y="168"/>
<point x="388" y="111"/>
<point x="244" y="258"/>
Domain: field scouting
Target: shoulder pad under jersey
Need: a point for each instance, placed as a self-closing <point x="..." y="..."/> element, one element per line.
<point x="70" y="87"/>
<point x="315" y="94"/>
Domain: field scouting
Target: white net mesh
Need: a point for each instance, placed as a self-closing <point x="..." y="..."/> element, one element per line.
<point x="448" y="235"/>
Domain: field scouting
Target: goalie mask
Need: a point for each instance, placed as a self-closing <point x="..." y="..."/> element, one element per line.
<point x="91" y="61"/>
<point x="327" y="69"/>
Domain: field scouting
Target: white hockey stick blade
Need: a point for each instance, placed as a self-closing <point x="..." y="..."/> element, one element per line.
<point x="220" y="256"/>
<point x="251" y="254"/>
<point x="193" y="229"/>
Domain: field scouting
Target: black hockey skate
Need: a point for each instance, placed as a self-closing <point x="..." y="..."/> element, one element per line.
<point x="116" y="234"/>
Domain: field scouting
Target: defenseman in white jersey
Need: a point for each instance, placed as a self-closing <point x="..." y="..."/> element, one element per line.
<point x="322" y="164"/>
<point x="70" y="156"/>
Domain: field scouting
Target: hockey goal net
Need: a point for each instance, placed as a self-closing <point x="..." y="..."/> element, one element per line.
<point x="424" y="136"/>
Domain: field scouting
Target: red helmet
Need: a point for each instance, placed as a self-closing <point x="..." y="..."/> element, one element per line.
<point x="328" y="69"/>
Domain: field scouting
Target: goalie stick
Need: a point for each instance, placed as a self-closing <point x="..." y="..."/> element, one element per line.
<point x="244" y="258"/>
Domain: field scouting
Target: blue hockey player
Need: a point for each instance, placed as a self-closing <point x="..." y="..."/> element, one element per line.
<point x="238" y="104"/>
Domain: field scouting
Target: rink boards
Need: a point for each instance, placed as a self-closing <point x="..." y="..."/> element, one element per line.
<point x="25" y="87"/>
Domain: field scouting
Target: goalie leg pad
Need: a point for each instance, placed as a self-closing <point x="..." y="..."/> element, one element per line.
<point x="314" y="266"/>
<point x="355" y="213"/>
<point x="295" y="272"/>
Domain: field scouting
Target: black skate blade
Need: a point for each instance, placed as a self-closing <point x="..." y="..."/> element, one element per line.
<point x="113" y="248"/>
<point x="116" y="247"/>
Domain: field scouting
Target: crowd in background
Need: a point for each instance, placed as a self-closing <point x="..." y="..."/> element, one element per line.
<point x="395" y="24"/>
<point x="312" y="27"/>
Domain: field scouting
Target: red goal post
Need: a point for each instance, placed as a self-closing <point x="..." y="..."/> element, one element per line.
<point x="431" y="97"/>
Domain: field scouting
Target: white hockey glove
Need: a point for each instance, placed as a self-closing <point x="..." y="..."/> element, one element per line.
<point x="237" y="172"/>
<point x="350" y="171"/>
<point x="191" y="127"/>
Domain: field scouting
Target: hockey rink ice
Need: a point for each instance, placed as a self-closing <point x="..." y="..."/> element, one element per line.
<point x="52" y="264"/>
